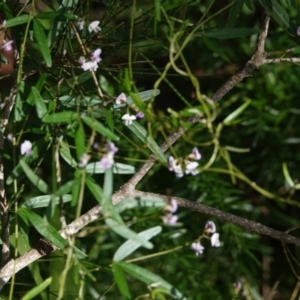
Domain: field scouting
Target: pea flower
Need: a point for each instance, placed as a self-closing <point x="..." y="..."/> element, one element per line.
<point x="93" y="27"/>
<point x="84" y="159"/>
<point x="96" y="55"/>
<point x="80" y="24"/>
<point x="121" y="99"/>
<point x="215" y="242"/>
<point x="139" y="115"/>
<point x="107" y="160"/>
<point x="210" y="227"/>
<point x="197" y="247"/>
<point x="7" y="46"/>
<point x="127" y="118"/>
<point x="170" y="218"/>
<point x="298" y="31"/>
<point x="195" y="154"/>
<point x="175" y="166"/>
<point x="191" y="168"/>
<point x="26" y="148"/>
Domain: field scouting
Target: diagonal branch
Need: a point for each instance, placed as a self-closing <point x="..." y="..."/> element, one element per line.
<point x="255" y="62"/>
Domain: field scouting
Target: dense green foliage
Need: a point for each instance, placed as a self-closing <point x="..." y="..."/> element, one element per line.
<point x="168" y="58"/>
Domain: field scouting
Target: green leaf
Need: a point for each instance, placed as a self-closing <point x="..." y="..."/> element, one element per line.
<point x="122" y="230"/>
<point x="144" y="96"/>
<point x="67" y="187"/>
<point x="130" y="246"/>
<point x="43" y="227"/>
<point x="99" y="127"/>
<point x="121" y="281"/>
<point x="228" y="120"/>
<point x="230" y="33"/>
<point x="41" y="40"/>
<point x="18" y="107"/>
<point x="64" y="151"/>
<point x="38" y="86"/>
<point x="150" y="278"/>
<point x="18" y="20"/>
<point x="37" y="290"/>
<point x="40" y="105"/>
<point x="47" y="15"/>
<point x="215" y="48"/>
<point x="107" y="192"/>
<point x="83" y="101"/>
<point x="287" y="175"/>
<point x="118" y="168"/>
<point x="278" y="13"/>
<point x="61" y="117"/>
<point x="130" y="203"/>
<point x="234" y="12"/>
<point x="80" y="141"/>
<point x="143" y="135"/>
<point x="36" y="180"/>
<point x="94" y="188"/>
<point x="110" y="119"/>
<point x="43" y="201"/>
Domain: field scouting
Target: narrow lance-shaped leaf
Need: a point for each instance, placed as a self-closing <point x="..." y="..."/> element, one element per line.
<point x="149" y="278"/>
<point x="43" y="227"/>
<point x="36" y="180"/>
<point x="122" y="230"/>
<point x="40" y="105"/>
<point x="230" y="33"/>
<point x="130" y="246"/>
<point x="144" y="136"/>
<point x="121" y="281"/>
<point x="18" y="20"/>
<point x="236" y="113"/>
<point x="99" y="127"/>
<point x="37" y="290"/>
<point x="61" y="117"/>
<point x="41" y="40"/>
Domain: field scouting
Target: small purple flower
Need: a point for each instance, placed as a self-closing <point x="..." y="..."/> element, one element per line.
<point x="210" y="227"/>
<point x="96" y="55"/>
<point x="80" y="24"/>
<point x="26" y="148"/>
<point x="191" y="168"/>
<point x="90" y="66"/>
<point x="121" y="99"/>
<point x="171" y="219"/>
<point x="96" y="146"/>
<point x="10" y="137"/>
<point x="127" y="118"/>
<point x="215" y="240"/>
<point x="111" y="147"/>
<point x="140" y="115"/>
<point x="173" y="205"/>
<point x="195" y="154"/>
<point x="7" y="46"/>
<point x="175" y="166"/>
<point x="298" y="31"/>
<point x="197" y="247"/>
<point x="93" y="27"/>
<point x="107" y="161"/>
<point x="84" y="159"/>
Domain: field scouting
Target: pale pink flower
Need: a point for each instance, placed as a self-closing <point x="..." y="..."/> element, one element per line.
<point x="121" y="99"/>
<point x="26" y="148"/>
<point x="93" y="27"/>
<point x="127" y="118"/>
<point x="197" y="247"/>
